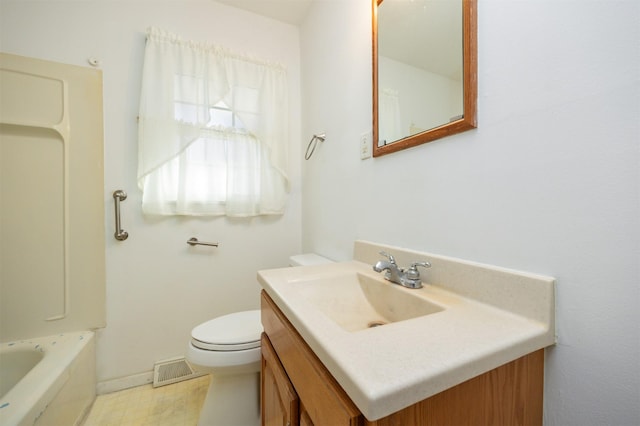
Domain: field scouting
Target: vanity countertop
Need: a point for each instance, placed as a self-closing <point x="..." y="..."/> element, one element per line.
<point x="491" y="316"/>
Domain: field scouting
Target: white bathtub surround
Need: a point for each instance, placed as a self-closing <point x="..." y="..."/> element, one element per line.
<point x="490" y="316"/>
<point x="52" y="245"/>
<point x="60" y="388"/>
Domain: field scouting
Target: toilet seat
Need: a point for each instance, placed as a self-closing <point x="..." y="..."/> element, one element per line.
<point x="233" y="332"/>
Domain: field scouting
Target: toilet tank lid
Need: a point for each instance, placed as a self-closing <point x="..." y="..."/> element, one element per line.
<point x="231" y="329"/>
<point x="308" y="259"/>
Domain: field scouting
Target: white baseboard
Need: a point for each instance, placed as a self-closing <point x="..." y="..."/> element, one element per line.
<point x="127" y="382"/>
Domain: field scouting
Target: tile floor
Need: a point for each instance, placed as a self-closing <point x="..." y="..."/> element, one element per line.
<point x="177" y="404"/>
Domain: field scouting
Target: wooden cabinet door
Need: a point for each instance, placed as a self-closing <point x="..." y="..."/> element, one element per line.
<point x="305" y="420"/>
<point x="323" y="401"/>
<point x="280" y="403"/>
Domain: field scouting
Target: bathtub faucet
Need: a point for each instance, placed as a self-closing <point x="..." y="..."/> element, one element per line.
<point x="409" y="277"/>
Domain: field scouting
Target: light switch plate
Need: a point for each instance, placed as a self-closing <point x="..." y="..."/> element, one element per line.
<point x="365" y="145"/>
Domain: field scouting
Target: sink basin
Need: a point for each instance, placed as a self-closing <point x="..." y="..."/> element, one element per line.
<point x="355" y="301"/>
<point x="468" y="319"/>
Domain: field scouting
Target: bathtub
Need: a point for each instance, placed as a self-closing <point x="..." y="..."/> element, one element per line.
<point x="48" y="380"/>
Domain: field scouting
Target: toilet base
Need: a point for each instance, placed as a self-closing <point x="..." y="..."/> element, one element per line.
<point x="232" y="400"/>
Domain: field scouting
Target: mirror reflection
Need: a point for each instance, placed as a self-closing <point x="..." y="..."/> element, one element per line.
<point x="424" y="71"/>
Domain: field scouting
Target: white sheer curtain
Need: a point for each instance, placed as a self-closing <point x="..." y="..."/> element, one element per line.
<point x="212" y="131"/>
<point x="390" y="126"/>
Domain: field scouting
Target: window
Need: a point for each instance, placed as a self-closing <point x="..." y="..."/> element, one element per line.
<point x="212" y="131"/>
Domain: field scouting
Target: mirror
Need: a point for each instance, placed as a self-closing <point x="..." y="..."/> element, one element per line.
<point x="424" y="71"/>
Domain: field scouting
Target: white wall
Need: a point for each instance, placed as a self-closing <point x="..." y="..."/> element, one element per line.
<point x="158" y="287"/>
<point x="548" y="183"/>
<point x="426" y="99"/>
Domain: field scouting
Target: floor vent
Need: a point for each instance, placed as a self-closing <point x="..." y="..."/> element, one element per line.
<point x="172" y="371"/>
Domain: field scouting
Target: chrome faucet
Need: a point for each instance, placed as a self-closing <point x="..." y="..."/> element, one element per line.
<point x="409" y="277"/>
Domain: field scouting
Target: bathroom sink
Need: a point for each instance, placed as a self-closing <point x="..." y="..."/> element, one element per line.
<point x="356" y="301"/>
<point x="468" y="319"/>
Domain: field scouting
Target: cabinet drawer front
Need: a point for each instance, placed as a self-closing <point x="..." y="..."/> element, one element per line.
<point x="324" y="400"/>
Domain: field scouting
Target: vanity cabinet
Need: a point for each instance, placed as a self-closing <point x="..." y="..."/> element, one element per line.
<point x="289" y="365"/>
<point x="296" y="388"/>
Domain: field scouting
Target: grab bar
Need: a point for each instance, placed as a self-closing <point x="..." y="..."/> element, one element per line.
<point x="120" y="233"/>
<point x="194" y="242"/>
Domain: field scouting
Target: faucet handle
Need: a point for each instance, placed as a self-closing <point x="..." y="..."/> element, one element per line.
<point x="413" y="273"/>
<point x="388" y="256"/>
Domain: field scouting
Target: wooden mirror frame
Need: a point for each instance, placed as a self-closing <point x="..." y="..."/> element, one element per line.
<point x="470" y="85"/>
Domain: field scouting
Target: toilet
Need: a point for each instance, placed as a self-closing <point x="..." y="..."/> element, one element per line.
<point x="228" y="347"/>
<point x="308" y="259"/>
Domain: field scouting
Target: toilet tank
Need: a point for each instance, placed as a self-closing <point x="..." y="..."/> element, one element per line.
<point x="308" y="259"/>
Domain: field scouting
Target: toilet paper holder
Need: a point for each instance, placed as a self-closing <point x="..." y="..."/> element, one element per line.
<point x="195" y="242"/>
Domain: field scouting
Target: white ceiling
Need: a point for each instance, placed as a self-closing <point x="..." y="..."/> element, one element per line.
<point x="290" y="11"/>
<point x="433" y="44"/>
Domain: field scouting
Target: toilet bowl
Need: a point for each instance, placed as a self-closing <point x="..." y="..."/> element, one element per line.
<point x="228" y="347"/>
